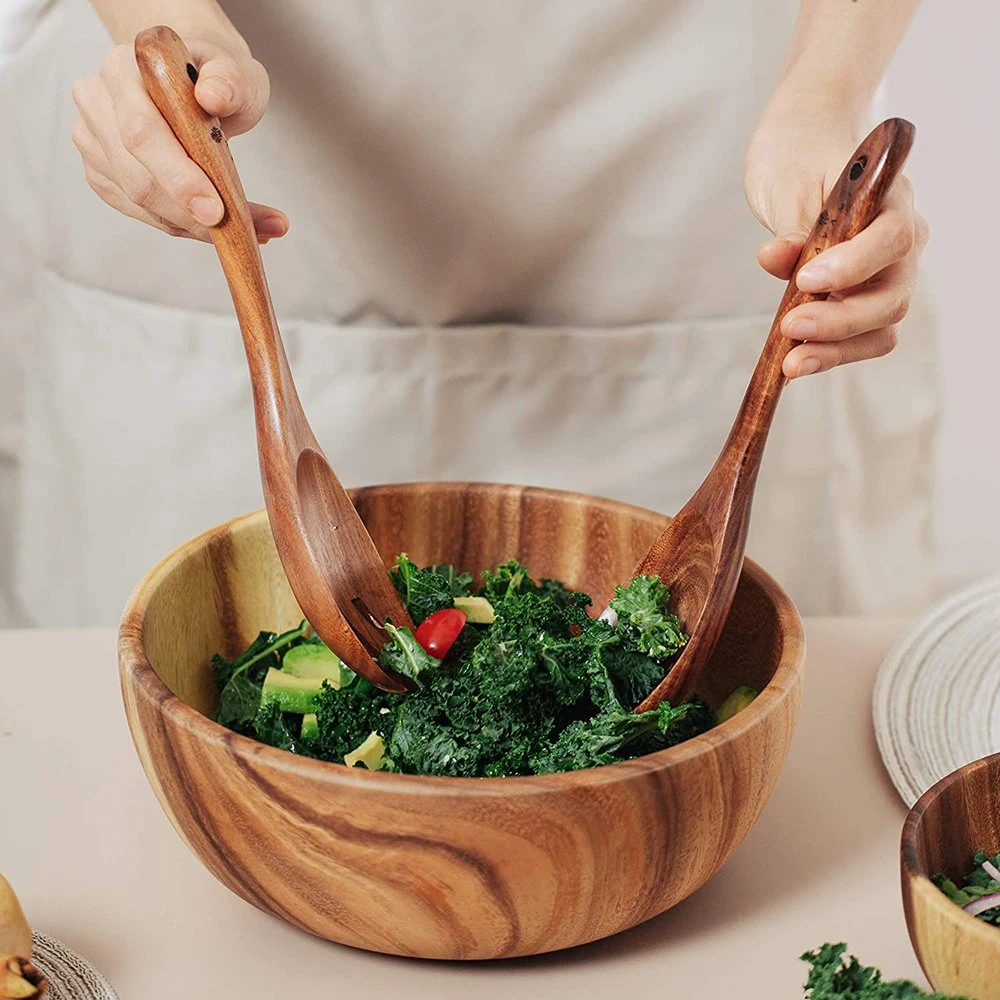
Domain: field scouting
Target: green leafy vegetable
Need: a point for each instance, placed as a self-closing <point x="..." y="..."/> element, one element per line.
<point x="642" y="612"/>
<point x="836" y="977"/>
<point x="272" y="727"/>
<point x="601" y="740"/>
<point x="238" y="703"/>
<point x="345" y="718"/>
<point x="404" y="655"/>
<point x="542" y="688"/>
<point x="509" y="579"/>
<point x="240" y="680"/>
<point x="427" y="590"/>
<point x="976" y="884"/>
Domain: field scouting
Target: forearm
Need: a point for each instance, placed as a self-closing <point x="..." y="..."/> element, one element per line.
<point x="124" y="19"/>
<point x="840" y="52"/>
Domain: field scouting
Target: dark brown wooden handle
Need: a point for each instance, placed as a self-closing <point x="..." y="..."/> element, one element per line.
<point x="853" y="202"/>
<point x="169" y="75"/>
<point x="851" y="206"/>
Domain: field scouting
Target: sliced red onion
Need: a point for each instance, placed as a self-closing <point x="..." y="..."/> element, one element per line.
<point x="991" y="870"/>
<point x="981" y="905"/>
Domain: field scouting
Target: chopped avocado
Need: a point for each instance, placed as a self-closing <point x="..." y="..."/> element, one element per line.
<point x="310" y="726"/>
<point x="736" y="702"/>
<point x="478" y="609"/>
<point x="370" y="753"/>
<point x="314" y="660"/>
<point x="293" y="694"/>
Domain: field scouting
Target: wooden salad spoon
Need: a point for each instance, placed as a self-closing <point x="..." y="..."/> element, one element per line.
<point x="332" y="565"/>
<point x="699" y="555"/>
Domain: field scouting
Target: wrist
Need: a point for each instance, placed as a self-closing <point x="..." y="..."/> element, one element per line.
<point x="192" y="19"/>
<point x="815" y="100"/>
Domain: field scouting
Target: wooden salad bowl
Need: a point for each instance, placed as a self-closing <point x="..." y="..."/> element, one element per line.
<point x="449" y="868"/>
<point x="960" y="814"/>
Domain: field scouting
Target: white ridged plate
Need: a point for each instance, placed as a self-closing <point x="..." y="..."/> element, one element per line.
<point x="937" y="698"/>
<point x="70" y="976"/>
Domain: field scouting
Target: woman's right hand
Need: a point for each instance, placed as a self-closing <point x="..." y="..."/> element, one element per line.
<point x="131" y="157"/>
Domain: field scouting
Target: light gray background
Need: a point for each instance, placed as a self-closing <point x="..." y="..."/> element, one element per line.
<point x="945" y="80"/>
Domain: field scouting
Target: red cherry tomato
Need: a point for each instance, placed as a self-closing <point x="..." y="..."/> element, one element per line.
<point x="437" y="632"/>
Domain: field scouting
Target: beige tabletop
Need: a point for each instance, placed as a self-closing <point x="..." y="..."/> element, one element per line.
<point x="98" y="866"/>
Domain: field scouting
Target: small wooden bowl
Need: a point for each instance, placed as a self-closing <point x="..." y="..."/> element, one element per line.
<point x="951" y="821"/>
<point x="452" y="868"/>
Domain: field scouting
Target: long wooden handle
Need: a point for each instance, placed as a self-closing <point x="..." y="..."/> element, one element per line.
<point x="169" y="74"/>
<point x="851" y="206"/>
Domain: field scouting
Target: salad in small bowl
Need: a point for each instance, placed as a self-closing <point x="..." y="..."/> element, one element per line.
<point x="951" y="880"/>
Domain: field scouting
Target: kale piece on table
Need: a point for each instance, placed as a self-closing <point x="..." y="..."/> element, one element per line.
<point x="837" y="976"/>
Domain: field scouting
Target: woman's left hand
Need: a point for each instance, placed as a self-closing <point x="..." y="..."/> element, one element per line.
<point x="791" y="166"/>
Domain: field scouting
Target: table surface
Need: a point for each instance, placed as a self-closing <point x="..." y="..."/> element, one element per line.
<point x="98" y="866"/>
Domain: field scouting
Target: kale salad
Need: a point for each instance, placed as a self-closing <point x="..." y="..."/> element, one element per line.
<point x="512" y="677"/>
<point x="979" y="894"/>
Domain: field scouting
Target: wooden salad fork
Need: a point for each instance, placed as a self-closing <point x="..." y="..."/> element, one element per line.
<point x="332" y="565"/>
<point x="699" y="555"/>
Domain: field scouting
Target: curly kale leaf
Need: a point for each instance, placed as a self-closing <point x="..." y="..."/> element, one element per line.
<point x="836" y="977"/>
<point x="605" y="739"/>
<point x="644" y="620"/>
<point x="404" y="655"/>
<point x="346" y="718"/>
<point x="633" y="674"/>
<point x="422" y="742"/>
<point x="427" y="590"/>
<point x="509" y="579"/>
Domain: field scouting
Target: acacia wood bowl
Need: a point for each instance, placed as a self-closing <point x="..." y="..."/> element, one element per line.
<point x="450" y="868"/>
<point x="960" y="814"/>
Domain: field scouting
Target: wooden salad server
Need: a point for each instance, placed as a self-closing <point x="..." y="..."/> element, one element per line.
<point x="699" y="555"/>
<point x="332" y="565"/>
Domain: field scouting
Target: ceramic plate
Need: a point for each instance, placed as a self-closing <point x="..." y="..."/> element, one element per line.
<point x="70" y="976"/>
<point x="937" y="698"/>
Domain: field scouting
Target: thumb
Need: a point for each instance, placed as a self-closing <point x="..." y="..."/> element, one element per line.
<point x="233" y="91"/>
<point x="779" y="254"/>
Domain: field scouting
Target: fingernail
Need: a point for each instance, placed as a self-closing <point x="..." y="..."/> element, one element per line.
<point x="208" y="211"/>
<point x="219" y="86"/>
<point x="801" y="328"/>
<point x="813" y="278"/>
<point x="809" y="366"/>
<point x="272" y="226"/>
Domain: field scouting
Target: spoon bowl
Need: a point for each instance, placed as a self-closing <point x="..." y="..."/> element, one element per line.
<point x="700" y="553"/>
<point x="330" y="560"/>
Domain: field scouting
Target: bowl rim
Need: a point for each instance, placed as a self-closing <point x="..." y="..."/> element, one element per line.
<point x="134" y="667"/>
<point x="916" y="878"/>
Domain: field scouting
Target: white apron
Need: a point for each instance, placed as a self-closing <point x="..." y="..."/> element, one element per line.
<point x="519" y="252"/>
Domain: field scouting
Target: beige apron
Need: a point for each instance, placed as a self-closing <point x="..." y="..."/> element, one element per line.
<point x="519" y="252"/>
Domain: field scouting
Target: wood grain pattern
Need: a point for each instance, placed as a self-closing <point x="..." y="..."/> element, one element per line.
<point x="700" y="553"/>
<point x="452" y="868"/>
<point x="327" y="555"/>
<point x="950" y="822"/>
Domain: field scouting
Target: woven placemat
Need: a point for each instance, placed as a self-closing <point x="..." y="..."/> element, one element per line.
<point x="70" y="976"/>
<point x="937" y="698"/>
